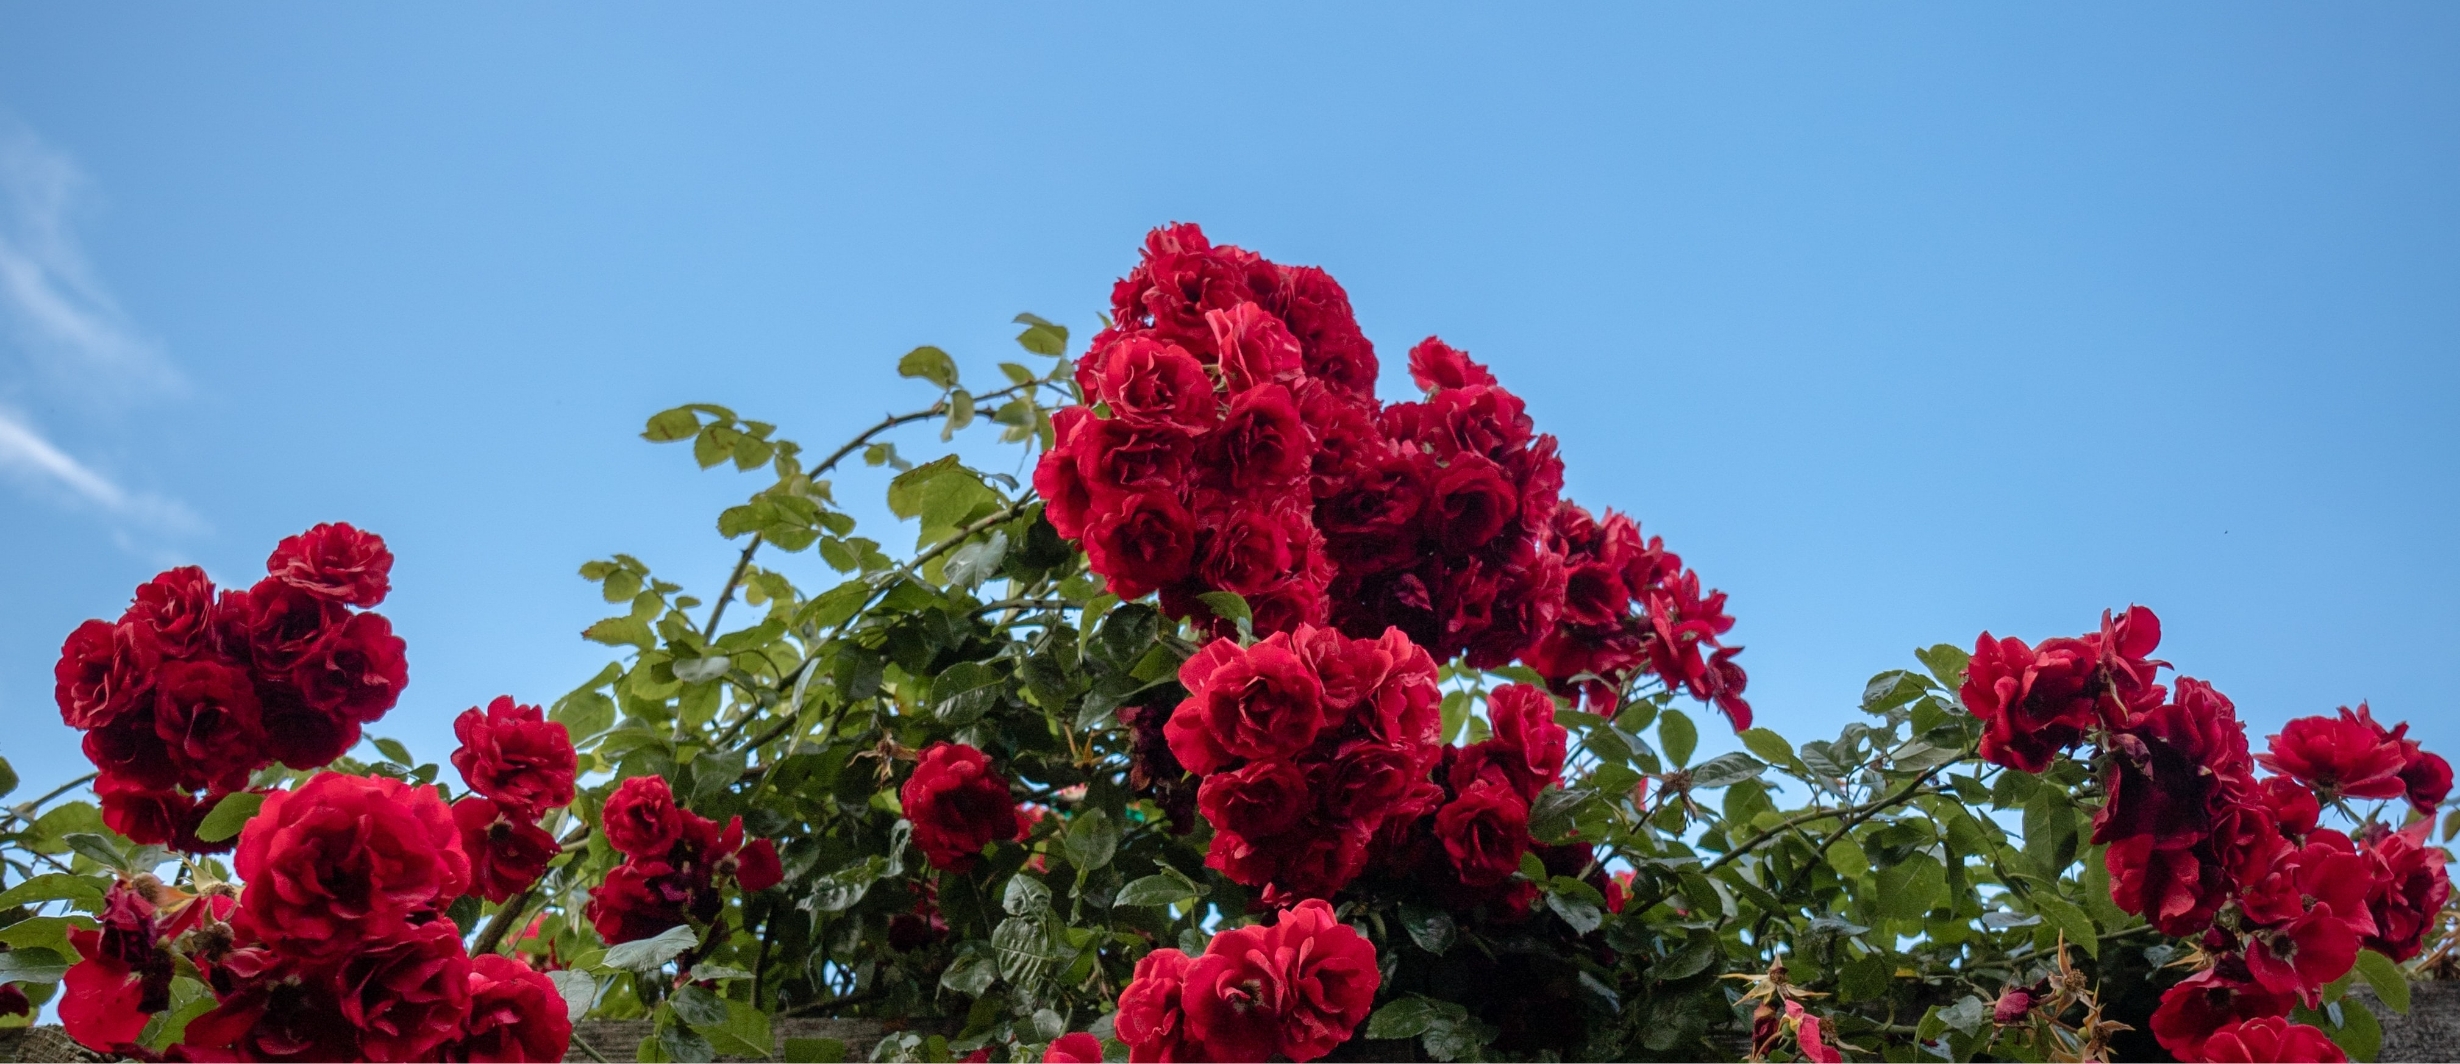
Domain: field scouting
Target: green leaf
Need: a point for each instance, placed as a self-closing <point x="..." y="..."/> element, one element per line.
<point x="2049" y="830"/>
<point x="8" y="777"/>
<point x="840" y="890"/>
<point x="1025" y="896"/>
<point x="1726" y="770"/>
<point x="667" y="426"/>
<point x="2384" y="974"/>
<point x="1403" y="1017"/>
<point x="931" y="364"/>
<point x="1678" y="736"/>
<point x="578" y="989"/>
<point x="2065" y="916"/>
<point x="1046" y="338"/>
<point x="1431" y="928"/>
<point x="970" y="974"/>
<point x="1946" y="662"/>
<point x="973" y="563"/>
<point x="1092" y="838"/>
<point x="815" y="1051"/>
<point x="1911" y="887"/>
<point x="1154" y="891"/>
<point x="85" y="891"/>
<point x="100" y="850"/>
<point x="1577" y="912"/>
<point x="394" y="751"/>
<point x="685" y="1046"/>
<point x="649" y="953"/>
<point x="36" y="965"/>
<point x="1771" y="747"/>
<point x="1891" y="689"/>
<point x="695" y="1005"/>
<point x="965" y="691"/>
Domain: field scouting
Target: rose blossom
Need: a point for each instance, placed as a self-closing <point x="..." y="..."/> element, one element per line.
<point x="1253" y="347"/>
<point x="514" y="755"/>
<point x="207" y="716"/>
<point x="335" y="561"/>
<point x="1264" y="798"/>
<point x="641" y="818"/>
<point x="1245" y="702"/>
<point x="1298" y="987"/>
<point x="2207" y="1001"/>
<point x="2344" y="755"/>
<point x="176" y="608"/>
<point x="1484" y="831"/>
<point x="1077" y="1048"/>
<point x="958" y="804"/>
<point x="507" y="852"/>
<point x="103" y="673"/>
<point x="344" y="859"/>
<point x="1260" y="443"/>
<point x="516" y="1014"/>
<point x="1141" y="542"/>
<point x="1151" y="384"/>
<point x="1150" y="1019"/>
<point x="2271" y="1038"/>
<point x="406" y="993"/>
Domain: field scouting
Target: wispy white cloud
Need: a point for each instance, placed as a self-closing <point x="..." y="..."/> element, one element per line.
<point x="71" y="339"/>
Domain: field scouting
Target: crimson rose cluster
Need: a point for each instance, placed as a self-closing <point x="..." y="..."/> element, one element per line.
<point x="1232" y="442"/>
<point x="674" y="861"/>
<point x="193" y="691"/>
<point x="2207" y="851"/>
<point x="1296" y="988"/>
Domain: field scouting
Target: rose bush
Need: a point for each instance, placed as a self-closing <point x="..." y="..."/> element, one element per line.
<point x="1272" y="720"/>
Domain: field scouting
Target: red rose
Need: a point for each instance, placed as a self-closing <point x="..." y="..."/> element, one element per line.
<point x="335" y="561"/>
<point x="1077" y="1048"/>
<point x="1067" y="501"/>
<point x="1182" y="276"/>
<point x="1141" y="542"/>
<point x="2292" y="805"/>
<point x="2206" y="1002"/>
<point x="13" y="1002"/>
<point x="507" y="851"/>
<point x="1403" y="708"/>
<point x="1299" y="988"/>
<point x="958" y="804"/>
<point x="2271" y="1038"/>
<point x="1486" y="421"/>
<point x="2343" y="755"/>
<point x="1114" y="457"/>
<point x="1150" y="1019"/>
<point x="1346" y="439"/>
<point x="2328" y="870"/>
<point x="513" y="754"/>
<point x="344" y="859"/>
<point x="2167" y="886"/>
<point x="1484" y="830"/>
<point x="2428" y="777"/>
<point x="756" y="866"/>
<point x="1436" y="365"/>
<point x="358" y="673"/>
<point x="129" y="750"/>
<point x="103" y="673"/>
<point x="177" y="609"/>
<point x="1253" y="347"/>
<point x="2301" y="956"/>
<point x="1318" y="313"/>
<point x="1524" y="725"/>
<point x="1252" y="702"/>
<point x="1151" y="384"/>
<point x="1364" y="779"/>
<point x="1495" y="609"/>
<point x="122" y="978"/>
<point x="1372" y="524"/>
<point x="1470" y="503"/>
<point x="283" y="627"/>
<point x="407" y="994"/>
<point x="2410" y="887"/>
<point x="272" y="1007"/>
<point x="2031" y="702"/>
<point x="1263" y="799"/>
<point x="516" y="1014"/>
<point x="1248" y="549"/>
<point x="641" y="818"/>
<point x="1261" y="443"/>
<point x="207" y="716"/>
<point x="642" y="897"/>
<point x="300" y="735"/>
<point x="1315" y="861"/>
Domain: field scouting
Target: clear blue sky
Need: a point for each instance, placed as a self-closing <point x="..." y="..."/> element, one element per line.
<point x="1898" y="321"/>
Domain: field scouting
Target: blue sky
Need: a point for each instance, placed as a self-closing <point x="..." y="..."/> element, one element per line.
<point x="1897" y="321"/>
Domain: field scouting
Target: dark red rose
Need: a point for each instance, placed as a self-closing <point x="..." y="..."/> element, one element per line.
<point x="507" y="852"/>
<point x="130" y="750"/>
<point x="2428" y="777"/>
<point x="2271" y="1038"/>
<point x="1150" y="1019"/>
<point x="1183" y="275"/>
<point x="516" y="1014"/>
<point x="512" y="753"/>
<point x="2171" y="764"/>
<point x="2032" y="702"/>
<point x="1490" y="422"/>
<point x="1484" y="831"/>
<point x="2327" y="871"/>
<point x="1067" y="501"/>
<point x="344" y="859"/>
<point x="177" y="609"/>
<point x="1436" y="365"/>
<point x="122" y="978"/>
<point x="641" y="818"/>
<point x="1249" y="549"/>
<point x="2410" y="887"/>
<point x="1470" y="503"/>
<point x="1151" y="384"/>
<point x="1261" y="443"/>
<point x="1076" y="1048"/>
<point x="958" y="804"/>
<point x="272" y="1007"/>
<point x="1315" y="861"/>
<point x="756" y="866"/>
<point x="1372" y="525"/>
<point x="1318" y="313"/>
<point x="1494" y="610"/>
<point x="358" y="673"/>
<point x="105" y="671"/>
<point x="2292" y="805"/>
<point x="335" y="561"/>
<point x="1116" y="458"/>
<point x="1253" y="347"/>
<point x="407" y="993"/>
<point x="2206" y="1002"/>
<point x="1297" y="988"/>
<point x="207" y="717"/>
<point x="1141" y="542"/>
<point x="1263" y="799"/>
<point x="156" y="817"/>
<point x="2165" y="885"/>
<point x="1287" y="605"/>
<point x="282" y="628"/>
<point x="643" y="896"/>
<point x="301" y="735"/>
<point x="1346" y="439"/>
<point x="1364" y="779"/>
<point x="2339" y="756"/>
<point x="1254" y="702"/>
<point x="2299" y="957"/>
<point x="1525" y="728"/>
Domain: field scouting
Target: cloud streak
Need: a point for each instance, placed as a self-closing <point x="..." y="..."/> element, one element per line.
<point x="71" y="336"/>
